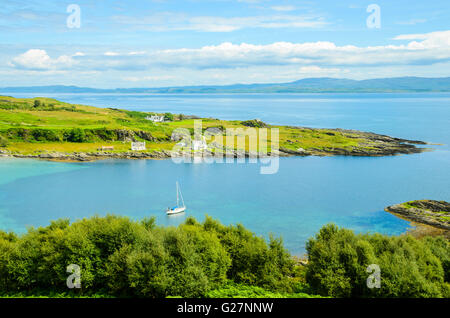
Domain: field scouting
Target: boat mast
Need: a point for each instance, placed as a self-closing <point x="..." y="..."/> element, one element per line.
<point x="177" y="196"/>
<point x="182" y="198"/>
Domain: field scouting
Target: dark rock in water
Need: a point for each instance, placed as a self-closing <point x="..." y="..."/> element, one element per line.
<point x="430" y="212"/>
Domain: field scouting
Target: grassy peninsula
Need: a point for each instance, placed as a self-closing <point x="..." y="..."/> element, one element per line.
<point x="50" y="129"/>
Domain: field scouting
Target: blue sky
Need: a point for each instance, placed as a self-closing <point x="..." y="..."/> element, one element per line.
<point x="193" y="42"/>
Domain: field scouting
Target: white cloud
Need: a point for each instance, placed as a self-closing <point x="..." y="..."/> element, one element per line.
<point x="316" y="70"/>
<point x="137" y="53"/>
<point x="149" y="78"/>
<point x="433" y="40"/>
<point x="411" y="37"/>
<point x="36" y="59"/>
<point x="111" y="54"/>
<point x="431" y="48"/>
<point x="320" y="58"/>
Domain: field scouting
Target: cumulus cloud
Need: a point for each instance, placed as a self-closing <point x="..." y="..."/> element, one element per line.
<point x="36" y="59"/>
<point x="421" y="49"/>
<point x="433" y="40"/>
<point x="429" y="49"/>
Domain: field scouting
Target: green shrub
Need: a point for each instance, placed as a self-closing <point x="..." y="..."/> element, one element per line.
<point x="121" y="257"/>
<point x="44" y="135"/>
<point x="117" y="256"/>
<point x="3" y="141"/>
<point x="33" y="134"/>
<point x="410" y="267"/>
<point x="233" y="290"/>
<point x="104" y="134"/>
<point x="168" y="117"/>
<point x="135" y="114"/>
<point x="76" y="135"/>
<point x="19" y="133"/>
<point x="253" y="261"/>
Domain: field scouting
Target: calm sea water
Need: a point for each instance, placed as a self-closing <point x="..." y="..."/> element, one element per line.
<point x="294" y="203"/>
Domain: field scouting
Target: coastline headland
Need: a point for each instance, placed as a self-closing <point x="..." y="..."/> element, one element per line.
<point x="48" y="129"/>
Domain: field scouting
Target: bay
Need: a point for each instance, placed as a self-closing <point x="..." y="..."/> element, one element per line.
<point x="294" y="203"/>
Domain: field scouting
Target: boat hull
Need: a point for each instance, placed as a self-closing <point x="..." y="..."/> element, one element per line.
<point x="176" y="210"/>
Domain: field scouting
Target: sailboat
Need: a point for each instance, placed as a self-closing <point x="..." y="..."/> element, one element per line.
<point x="178" y="208"/>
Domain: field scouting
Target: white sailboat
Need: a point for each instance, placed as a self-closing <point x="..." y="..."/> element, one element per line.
<point x="178" y="208"/>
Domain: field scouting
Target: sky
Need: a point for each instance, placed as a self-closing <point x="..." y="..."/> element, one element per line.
<point x="144" y="43"/>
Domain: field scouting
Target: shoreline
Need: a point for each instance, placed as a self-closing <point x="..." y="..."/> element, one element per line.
<point x="159" y="155"/>
<point x="374" y="145"/>
<point x="426" y="216"/>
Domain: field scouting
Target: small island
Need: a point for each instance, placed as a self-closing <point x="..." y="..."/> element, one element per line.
<point x="429" y="212"/>
<point x="49" y="129"/>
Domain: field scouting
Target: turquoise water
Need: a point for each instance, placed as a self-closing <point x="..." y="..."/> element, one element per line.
<point x="305" y="194"/>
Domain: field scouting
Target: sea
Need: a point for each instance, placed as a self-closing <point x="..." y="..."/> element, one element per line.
<point x="294" y="203"/>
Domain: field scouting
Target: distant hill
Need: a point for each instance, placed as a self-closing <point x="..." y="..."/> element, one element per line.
<point x="307" y="85"/>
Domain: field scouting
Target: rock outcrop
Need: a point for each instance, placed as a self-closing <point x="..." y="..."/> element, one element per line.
<point x="145" y="135"/>
<point x="256" y="123"/>
<point x="125" y="135"/>
<point x="430" y="212"/>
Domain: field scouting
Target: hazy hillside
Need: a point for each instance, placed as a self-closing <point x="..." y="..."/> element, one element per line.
<point x="307" y="85"/>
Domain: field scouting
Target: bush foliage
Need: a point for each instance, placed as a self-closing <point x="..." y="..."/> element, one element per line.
<point x="409" y="267"/>
<point x="121" y="257"/>
<point x="126" y="258"/>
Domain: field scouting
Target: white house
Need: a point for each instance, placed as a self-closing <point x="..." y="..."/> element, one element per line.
<point x="138" y="146"/>
<point x="155" y="118"/>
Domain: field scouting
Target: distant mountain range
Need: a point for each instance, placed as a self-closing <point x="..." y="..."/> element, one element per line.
<point x="307" y="85"/>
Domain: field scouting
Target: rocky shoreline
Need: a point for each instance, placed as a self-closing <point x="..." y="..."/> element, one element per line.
<point x="380" y="145"/>
<point x="88" y="156"/>
<point x="376" y="145"/>
<point x="429" y="212"/>
<point x="384" y="146"/>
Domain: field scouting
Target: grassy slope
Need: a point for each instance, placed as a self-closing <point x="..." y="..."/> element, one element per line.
<point x="57" y="116"/>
